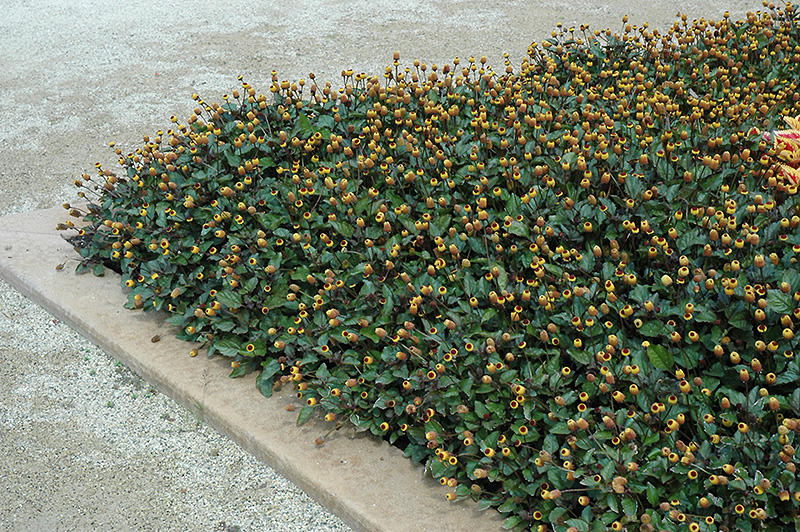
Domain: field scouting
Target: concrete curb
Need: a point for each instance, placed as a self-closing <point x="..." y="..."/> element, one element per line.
<point x="368" y="483"/>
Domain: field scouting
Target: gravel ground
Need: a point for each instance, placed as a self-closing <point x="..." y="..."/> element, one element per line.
<point x="86" y="444"/>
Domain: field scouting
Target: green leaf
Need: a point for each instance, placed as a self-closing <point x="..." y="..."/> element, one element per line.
<point x="735" y="397"/>
<point x="560" y="428"/>
<point x="739" y="320"/>
<point x="300" y="274"/>
<point x="305" y="125"/>
<point x="488" y="314"/>
<point x="276" y="261"/>
<point x="581" y="356"/>
<point x="259" y="349"/>
<point x="229" y="298"/>
<point x="436" y="468"/>
<point x="792" y="277"/>
<point x="660" y="357"/>
<point x="690" y="238"/>
<point x="613" y="502"/>
<point x="369" y="332"/>
<point x="704" y="315"/>
<point x="640" y="293"/>
<point x="502" y="279"/>
<point x="483" y="504"/>
<point x="653" y="329"/>
<point x="557" y="513"/>
<point x="98" y="270"/>
<point x="738" y="484"/>
<point x="225" y="325"/>
<point x="343" y="228"/>
<point x="248" y="285"/>
<point x="780" y="302"/>
<point x="228" y="346"/>
<point x="266" y="378"/>
<point x="507" y="507"/>
<point x="608" y="470"/>
<point x="653" y="496"/>
<point x="672" y="192"/>
<point x="322" y="372"/>
<point x="470" y="286"/>
<point x="550" y="443"/>
<point x="795" y="401"/>
<point x="652" y="438"/>
<point x="302" y="417"/>
<point x="438" y="226"/>
<point x="580" y="524"/>
<point x="745" y="525"/>
<point x="231" y="157"/>
<point x="82" y="266"/>
<point x="790" y="375"/>
<point x="388" y="307"/>
<point x="629" y="506"/>
<point x="633" y="186"/>
<point x="385" y="377"/>
<point x="243" y="369"/>
<point x="517" y="228"/>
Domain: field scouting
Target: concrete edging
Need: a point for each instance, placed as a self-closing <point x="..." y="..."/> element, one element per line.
<point x="368" y="483"/>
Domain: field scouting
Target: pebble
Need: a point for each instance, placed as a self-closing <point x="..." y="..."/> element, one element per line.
<point x="88" y="445"/>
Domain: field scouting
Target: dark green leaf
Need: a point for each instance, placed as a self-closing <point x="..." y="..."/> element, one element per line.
<point x="613" y="502"/>
<point x="633" y="186"/>
<point x="795" y="401"/>
<point x="608" y="471"/>
<point x="519" y="229"/>
<point x="228" y="346"/>
<point x="556" y="514"/>
<point x="560" y="428"/>
<point x="305" y="125"/>
<point x="580" y="524"/>
<point x="343" y="228"/>
<point x="780" y="302"/>
<point x="484" y="504"/>
<point x="488" y="314"/>
<point x="690" y="238"/>
<point x="243" y="369"/>
<point x="792" y="277"/>
<point x="229" y="298"/>
<point x="266" y="379"/>
<point x="369" y="332"/>
<point x="653" y="329"/>
<point x="653" y="496"/>
<point x="660" y="357"/>
<point x="507" y="507"/>
<point x="302" y="417"/>
<point x="581" y="356"/>
<point x="629" y="506"/>
<point x="225" y="325"/>
<point x="301" y="273"/>
<point x="789" y="375"/>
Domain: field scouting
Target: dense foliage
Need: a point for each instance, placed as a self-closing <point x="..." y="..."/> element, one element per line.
<point x="569" y="289"/>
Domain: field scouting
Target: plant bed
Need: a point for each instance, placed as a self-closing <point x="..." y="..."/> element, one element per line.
<point x="568" y="289"/>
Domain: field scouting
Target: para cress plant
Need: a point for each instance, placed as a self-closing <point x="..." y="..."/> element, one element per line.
<point x="570" y="290"/>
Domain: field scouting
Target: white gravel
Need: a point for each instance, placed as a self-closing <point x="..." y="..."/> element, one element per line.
<point x="87" y="445"/>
